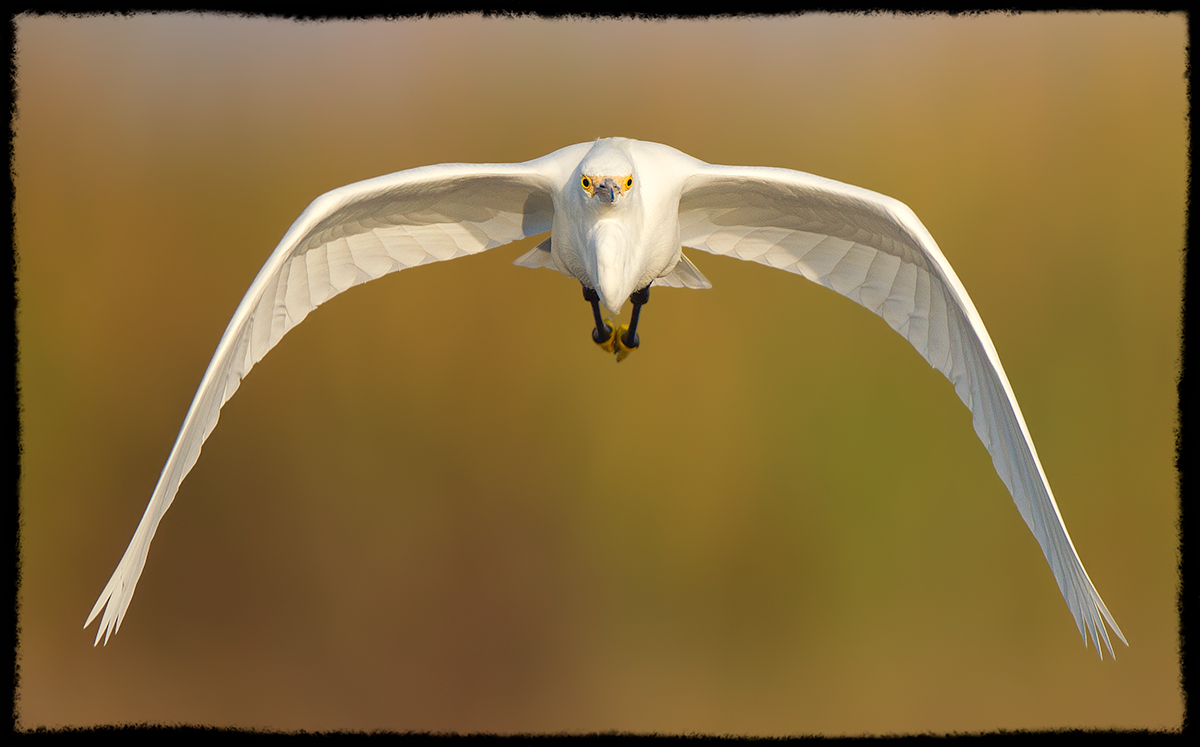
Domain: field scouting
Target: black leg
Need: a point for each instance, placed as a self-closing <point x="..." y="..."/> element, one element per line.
<point x="602" y="333"/>
<point x="639" y="299"/>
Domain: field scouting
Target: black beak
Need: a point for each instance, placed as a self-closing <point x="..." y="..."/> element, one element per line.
<point x="607" y="189"/>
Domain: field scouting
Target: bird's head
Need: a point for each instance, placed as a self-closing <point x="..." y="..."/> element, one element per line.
<point x="606" y="175"/>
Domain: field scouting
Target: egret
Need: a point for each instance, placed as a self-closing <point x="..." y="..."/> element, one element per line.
<point x="618" y="212"/>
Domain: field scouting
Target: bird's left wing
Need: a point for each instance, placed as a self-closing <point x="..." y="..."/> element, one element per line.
<point x="873" y="250"/>
<point x="345" y="237"/>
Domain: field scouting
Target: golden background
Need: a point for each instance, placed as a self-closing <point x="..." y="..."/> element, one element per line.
<point x="436" y="506"/>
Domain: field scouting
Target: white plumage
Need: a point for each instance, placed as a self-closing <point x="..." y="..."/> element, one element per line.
<point x="618" y="212"/>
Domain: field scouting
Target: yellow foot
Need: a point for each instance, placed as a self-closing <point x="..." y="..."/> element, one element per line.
<point x="614" y="344"/>
<point x="619" y="338"/>
<point x="610" y="344"/>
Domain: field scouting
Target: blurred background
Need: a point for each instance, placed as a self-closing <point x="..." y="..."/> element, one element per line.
<point x="436" y="506"/>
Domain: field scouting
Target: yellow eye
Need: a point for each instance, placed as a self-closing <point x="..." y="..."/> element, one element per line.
<point x="628" y="182"/>
<point x="587" y="183"/>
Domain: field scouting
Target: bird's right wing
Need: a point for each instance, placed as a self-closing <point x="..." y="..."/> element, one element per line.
<point x="345" y="237"/>
<point x="873" y="250"/>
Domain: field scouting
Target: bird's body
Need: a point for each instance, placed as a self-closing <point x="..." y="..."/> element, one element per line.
<point x="625" y="243"/>
<point x="618" y="212"/>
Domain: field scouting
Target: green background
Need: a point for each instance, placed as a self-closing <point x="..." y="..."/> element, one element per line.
<point x="436" y="506"/>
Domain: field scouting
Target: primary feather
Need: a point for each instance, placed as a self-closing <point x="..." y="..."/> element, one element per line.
<point x="863" y="245"/>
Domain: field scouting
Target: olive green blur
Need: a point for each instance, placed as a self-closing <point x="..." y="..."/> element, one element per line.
<point x="437" y="506"/>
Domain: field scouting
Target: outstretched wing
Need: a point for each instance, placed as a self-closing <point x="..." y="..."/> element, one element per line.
<point x="873" y="250"/>
<point x="345" y="237"/>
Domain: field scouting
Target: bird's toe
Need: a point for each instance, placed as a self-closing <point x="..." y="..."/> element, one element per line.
<point x="622" y="346"/>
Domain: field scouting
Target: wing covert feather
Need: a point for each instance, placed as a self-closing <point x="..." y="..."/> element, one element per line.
<point x="873" y="250"/>
<point x="345" y="237"/>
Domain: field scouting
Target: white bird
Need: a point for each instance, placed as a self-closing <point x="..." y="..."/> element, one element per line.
<point x="618" y="211"/>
